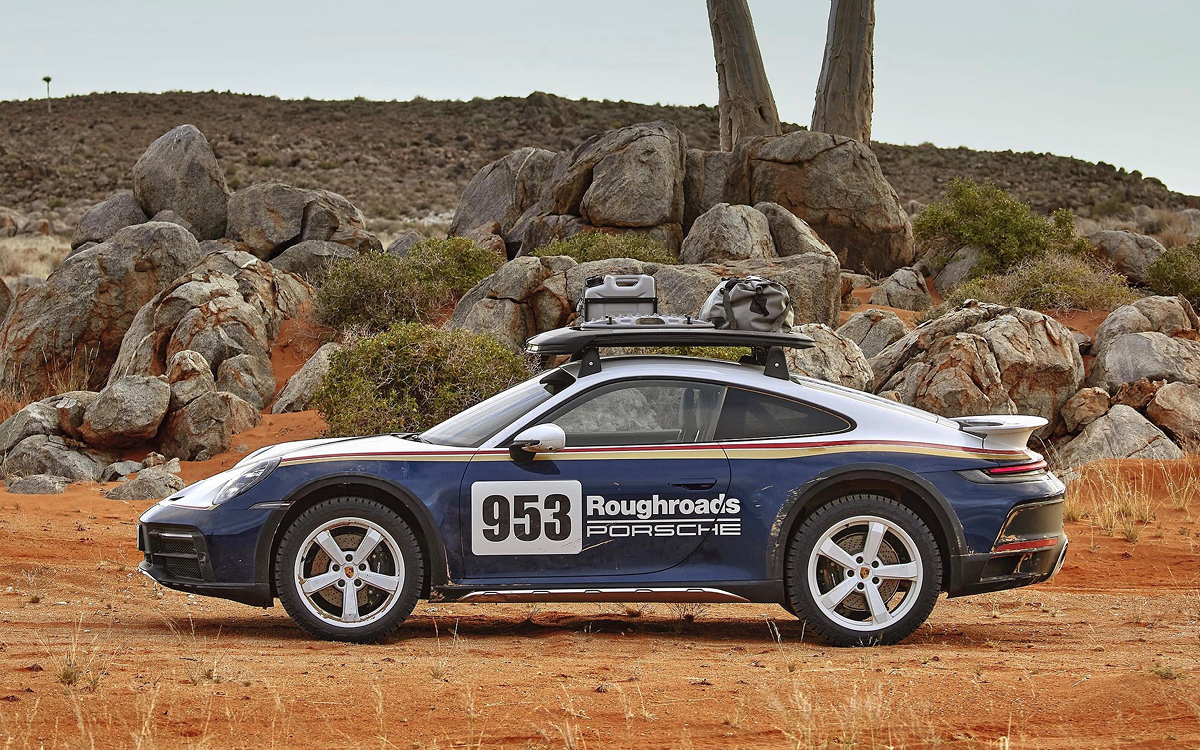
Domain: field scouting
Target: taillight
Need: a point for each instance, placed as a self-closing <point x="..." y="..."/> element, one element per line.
<point x="1024" y="546"/>
<point x="1028" y="468"/>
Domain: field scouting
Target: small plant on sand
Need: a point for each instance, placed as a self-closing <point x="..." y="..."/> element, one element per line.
<point x="76" y="666"/>
<point x="1167" y="672"/>
<point x="590" y="246"/>
<point x="1118" y="501"/>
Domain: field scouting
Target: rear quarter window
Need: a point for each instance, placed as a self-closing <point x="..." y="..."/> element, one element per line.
<point x="750" y="415"/>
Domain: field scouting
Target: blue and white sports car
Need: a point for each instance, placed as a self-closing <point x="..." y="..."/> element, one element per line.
<point x="632" y="478"/>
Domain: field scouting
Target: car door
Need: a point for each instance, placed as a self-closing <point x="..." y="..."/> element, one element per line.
<point x="637" y="488"/>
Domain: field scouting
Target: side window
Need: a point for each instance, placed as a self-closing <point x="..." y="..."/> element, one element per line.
<point x="747" y="415"/>
<point x="641" y="413"/>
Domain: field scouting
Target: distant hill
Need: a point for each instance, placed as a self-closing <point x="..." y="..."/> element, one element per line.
<point x="408" y="159"/>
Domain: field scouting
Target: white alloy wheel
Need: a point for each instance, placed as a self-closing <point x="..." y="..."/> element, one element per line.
<point x="349" y="572"/>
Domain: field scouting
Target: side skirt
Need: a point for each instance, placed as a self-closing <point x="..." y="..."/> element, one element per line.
<point x="766" y="592"/>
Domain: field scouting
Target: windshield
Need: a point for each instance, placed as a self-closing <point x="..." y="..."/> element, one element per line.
<point x="469" y="429"/>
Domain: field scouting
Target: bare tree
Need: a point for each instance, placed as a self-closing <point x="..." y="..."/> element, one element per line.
<point x="47" y="80"/>
<point x="746" y="105"/>
<point x="846" y="87"/>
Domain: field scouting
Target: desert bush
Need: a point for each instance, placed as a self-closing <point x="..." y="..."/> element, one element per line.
<point x="411" y="377"/>
<point x="985" y="216"/>
<point x="589" y="246"/>
<point x="1054" y="281"/>
<point x="1177" y="271"/>
<point x="376" y="290"/>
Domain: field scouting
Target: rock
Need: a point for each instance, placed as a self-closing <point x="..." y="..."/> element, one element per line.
<point x="10" y="222"/>
<point x="118" y="471"/>
<point x="1131" y="254"/>
<point x="198" y="431"/>
<point x="126" y="412"/>
<point x="1085" y="407"/>
<point x="242" y="414"/>
<point x="189" y="377"/>
<point x="23" y="282"/>
<point x="835" y="358"/>
<point x="1121" y="433"/>
<point x="873" y="330"/>
<point x="905" y="289"/>
<point x="852" y="281"/>
<point x="638" y="183"/>
<point x="312" y="260"/>
<point x="6" y="300"/>
<point x="488" y="236"/>
<point x="983" y="359"/>
<point x="180" y="172"/>
<point x="1176" y="409"/>
<point x="171" y="217"/>
<point x="405" y="242"/>
<point x="71" y="407"/>
<point x="791" y="234"/>
<point x="1137" y="394"/>
<point x="230" y="303"/>
<point x="506" y="321"/>
<point x="833" y="183"/>
<point x="726" y="232"/>
<point x="1150" y="355"/>
<point x="962" y="266"/>
<point x="248" y="376"/>
<point x="72" y="326"/>
<point x="149" y="484"/>
<point x="269" y="217"/>
<point x="37" y="418"/>
<point x="704" y="182"/>
<point x="106" y="218"/>
<point x="50" y="454"/>
<point x="155" y="459"/>
<point x="503" y="190"/>
<point x="298" y="393"/>
<point x="1165" y="315"/>
<point x="38" y="484"/>
<point x="1082" y="340"/>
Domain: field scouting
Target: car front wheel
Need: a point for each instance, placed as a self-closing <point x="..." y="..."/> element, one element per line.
<point x="863" y="570"/>
<point x="349" y="569"/>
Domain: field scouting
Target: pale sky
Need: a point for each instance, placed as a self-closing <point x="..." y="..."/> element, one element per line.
<point x="1110" y="80"/>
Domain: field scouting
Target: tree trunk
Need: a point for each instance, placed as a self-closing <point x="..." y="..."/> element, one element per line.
<point x="746" y="105"/>
<point x="846" y="87"/>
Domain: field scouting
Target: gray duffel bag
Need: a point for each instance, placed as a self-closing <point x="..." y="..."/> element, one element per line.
<point x="750" y="303"/>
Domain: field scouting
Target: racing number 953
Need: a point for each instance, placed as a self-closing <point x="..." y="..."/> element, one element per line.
<point x="526" y="518"/>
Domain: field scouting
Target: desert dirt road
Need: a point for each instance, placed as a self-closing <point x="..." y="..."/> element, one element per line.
<point x="93" y="655"/>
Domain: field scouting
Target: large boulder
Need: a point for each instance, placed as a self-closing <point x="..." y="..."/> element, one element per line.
<point x="127" y="411"/>
<point x="72" y="407"/>
<point x="269" y="217"/>
<point x="38" y="418"/>
<point x="1176" y="409"/>
<point x="1085" y="407"/>
<point x="242" y="414"/>
<point x="107" y="217"/>
<point x="71" y="327"/>
<point x="1166" y="315"/>
<point x="248" y="376"/>
<point x="198" y="431"/>
<point x="1151" y="355"/>
<point x="1130" y="253"/>
<point x="229" y="304"/>
<point x="905" y="289"/>
<point x="298" y="393"/>
<point x="149" y="484"/>
<point x="50" y="454"/>
<point x="791" y="234"/>
<point x="189" y="377"/>
<point x="726" y="232"/>
<point x="502" y="191"/>
<point x="983" y="359"/>
<point x="873" y="330"/>
<point x="831" y="182"/>
<point x="312" y="260"/>
<point x="835" y="358"/>
<point x="1121" y="433"/>
<point x="180" y="172"/>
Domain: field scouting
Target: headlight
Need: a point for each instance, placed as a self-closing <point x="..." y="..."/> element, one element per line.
<point x="247" y="478"/>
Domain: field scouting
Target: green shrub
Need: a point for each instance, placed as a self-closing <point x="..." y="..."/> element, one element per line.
<point x="589" y="246"/>
<point x="1054" y="281"/>
<point x="411" y="377"/>
<point x="375" y="290"/>
<point x="1177" y="271"/>
<point x="1005" y="229"/>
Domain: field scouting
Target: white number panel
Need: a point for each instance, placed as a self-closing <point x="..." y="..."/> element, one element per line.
<point x="527" y="518"/>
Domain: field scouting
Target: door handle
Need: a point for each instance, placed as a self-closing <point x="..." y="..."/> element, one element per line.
<point x="695" y="484"/>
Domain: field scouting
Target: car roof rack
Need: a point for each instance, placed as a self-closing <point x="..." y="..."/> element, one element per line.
<point x="583" y="341"/>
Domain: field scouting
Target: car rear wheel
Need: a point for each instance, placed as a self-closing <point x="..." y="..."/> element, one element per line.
<point x="349" y="569"/>
<point x="863" y="570"/>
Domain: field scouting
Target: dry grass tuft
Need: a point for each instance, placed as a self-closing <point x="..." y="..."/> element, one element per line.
<point x="1119" y="499"/>
<point x="31" y="255"/>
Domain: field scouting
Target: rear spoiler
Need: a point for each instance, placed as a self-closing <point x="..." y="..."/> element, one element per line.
<point x="1002" y="432"/>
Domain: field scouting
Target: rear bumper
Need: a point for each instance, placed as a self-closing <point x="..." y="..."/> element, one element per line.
<point x="983" y="573"/>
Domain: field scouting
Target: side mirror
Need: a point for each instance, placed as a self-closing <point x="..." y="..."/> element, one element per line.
<point x="541" y="438"/>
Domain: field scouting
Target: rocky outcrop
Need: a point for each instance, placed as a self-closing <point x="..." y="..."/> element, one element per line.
<point x="312" y="260"/>
<point x="248" y="376"/>
<point x="835" y="358"/>
<point x="149" y="484"/>
<point x="1169" y="316"/>
<point x="72" y="408"/>
<point x="1150" y="355"/>
<point x="270" y="217"/>
<point x="726" y="232"/>
<point x="180" y="172"/>
<point x="108" y="217"/>
<point x="1085" y="407"/>
<point x="791" y="234"/>
<point x="502" y="191"/>
<point x="983" y="359"/>
<point x="37" y="418"/>
<point x="905" y="289"/>
<point x="297" y="395"/>
<point x="198" y="431"/>
<point x="189" y="377"/>
<point x="50" y="454"/>
<point x="1176" y="409"/>
<point x="873" y="330"/>
<point x="1130" y="253"/>
<point x="126" y="412"/>
<point x="71" y="327"/>
<point x="1121" y="433"/>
